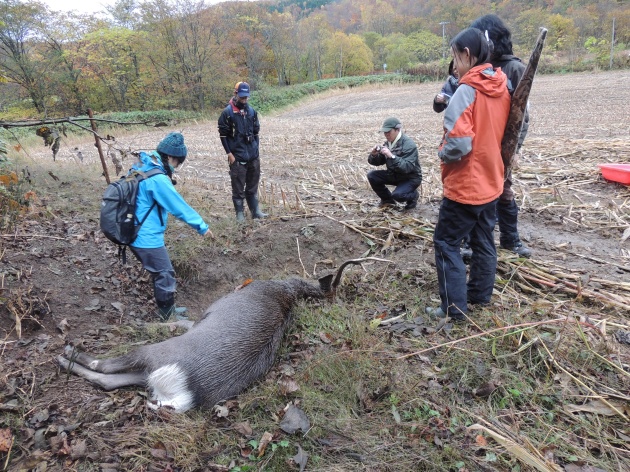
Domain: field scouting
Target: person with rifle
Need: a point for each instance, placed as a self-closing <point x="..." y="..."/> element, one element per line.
<point x="513" y="67"/>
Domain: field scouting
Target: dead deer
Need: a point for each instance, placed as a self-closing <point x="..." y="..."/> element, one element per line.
<point x="233" y="345"/>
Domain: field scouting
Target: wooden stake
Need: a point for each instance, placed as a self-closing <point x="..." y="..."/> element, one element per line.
<point x="98" y="146"/>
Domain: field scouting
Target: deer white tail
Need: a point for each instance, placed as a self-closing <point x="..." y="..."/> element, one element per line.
<point x="169" y="387"/>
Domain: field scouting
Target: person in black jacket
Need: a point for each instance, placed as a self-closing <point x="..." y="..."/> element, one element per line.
<point x="238" y="129"/>
<point x="400" y="155"/>
<point x="513" y="67"/>
<point x="440" y="102"/>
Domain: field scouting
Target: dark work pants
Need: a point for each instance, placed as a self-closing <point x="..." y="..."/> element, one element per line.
<point x="507" y="213"/>
<point x="158" y="264"/>
<point x="455" y="221"/>
<point x="404" y="192"/>
<point x="245" y="178"/>
<point x="507" y="216"/>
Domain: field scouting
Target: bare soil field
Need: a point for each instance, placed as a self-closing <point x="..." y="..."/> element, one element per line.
<point x="380" y="394"/>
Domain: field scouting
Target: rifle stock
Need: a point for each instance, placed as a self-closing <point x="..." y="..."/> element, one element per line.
<point x="519" y="104"/>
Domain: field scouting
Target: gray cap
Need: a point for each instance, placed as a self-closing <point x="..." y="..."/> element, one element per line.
<point x="391" y="123"/>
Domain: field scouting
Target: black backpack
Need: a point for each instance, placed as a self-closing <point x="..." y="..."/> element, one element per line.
<point x="119" y="222"/>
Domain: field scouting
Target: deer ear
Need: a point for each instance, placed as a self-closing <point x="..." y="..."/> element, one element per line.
<point x="325" y="283"/>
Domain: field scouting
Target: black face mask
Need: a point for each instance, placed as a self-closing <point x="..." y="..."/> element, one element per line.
<point x="239" y="105"/>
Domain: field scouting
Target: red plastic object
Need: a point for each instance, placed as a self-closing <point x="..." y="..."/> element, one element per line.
<point x="616" y="172"/>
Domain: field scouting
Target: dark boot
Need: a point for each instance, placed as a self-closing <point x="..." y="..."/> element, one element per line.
<point x="252" y="203"/>
<point x="509" y="239"/>
<point x="413" y="202"/>
<point x="168" y="309"/>
<point x="240" y="212"/>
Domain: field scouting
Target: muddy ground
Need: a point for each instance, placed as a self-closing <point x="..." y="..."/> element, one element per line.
<point x="59" y="274"/>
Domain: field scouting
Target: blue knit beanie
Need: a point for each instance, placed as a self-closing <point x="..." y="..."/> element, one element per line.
<point x="173" y="145"/>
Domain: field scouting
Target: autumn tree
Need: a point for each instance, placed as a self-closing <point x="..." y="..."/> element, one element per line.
<point x="61" y="35"/>
<point x="280" y="35"/>
<point x="21" y="61"/>
<point x="562" y="35"/>
<point x="246" y="53"/>
<point x="124" y="13"/>
<point x="377" y="16"/>
<point x="527" y="27"/>
<point x="111" y="58"/>
<point x="347" y="54"/>
<point x="426" y="46"/>
<point x="186" y="40"/>
<point x="313" y="33"/>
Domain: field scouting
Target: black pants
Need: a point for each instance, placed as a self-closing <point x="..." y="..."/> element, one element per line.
<point x="455" y="221"/>
<point x="405" y="191"/>
<point x="245" y="178"/>
<point x="507" y="213"/>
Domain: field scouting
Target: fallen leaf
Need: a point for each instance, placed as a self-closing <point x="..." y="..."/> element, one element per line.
<point x="95" y="304"/>
<point x="6" y="440"/>
<point x="221" y="411"/>
<point x="119" y="306"/>
<point x="294" y="420"/>
<point x="159" y="453"/>
<point x="244" y="428"/>
<point x="78" y="449"/>
<point x="481" y="441"/>
<point x="288" y="386"/>
<point x="485" y="390"/>
<point x="325" y="337"/>
<point x="301" y="458"/>
<point x="63" y="326"/>
<point x="626" y="235"/>
<point x="598" y="407"/>
<point x="581" y="468"/>
<point x="264" y="441"/>
<point x="395" y="414"/>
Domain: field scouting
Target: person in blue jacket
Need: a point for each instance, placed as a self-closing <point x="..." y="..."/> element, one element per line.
<point x="149" y="246"/>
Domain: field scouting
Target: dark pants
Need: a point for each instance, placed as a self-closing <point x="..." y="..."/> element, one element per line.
<point x="507" y="213"/>
<point x="455" y="221"/>
<point x="158" y="264"/>
<point x="404" y="192"/>
<point x="245" y="178"/>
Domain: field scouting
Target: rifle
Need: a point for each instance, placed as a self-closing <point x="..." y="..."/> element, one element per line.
<point x="519" y="104"/>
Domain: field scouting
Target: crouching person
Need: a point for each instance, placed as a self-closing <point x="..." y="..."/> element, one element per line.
<point x="400" y="155"/>
<point x="157" y="198"/>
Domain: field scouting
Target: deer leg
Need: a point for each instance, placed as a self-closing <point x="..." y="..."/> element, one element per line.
<point x="105" y="381"/>
<point x="185" y="324"/>
<point x="112" y="365"/>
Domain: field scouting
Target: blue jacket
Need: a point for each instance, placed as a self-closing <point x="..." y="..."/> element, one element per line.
<point x="159" y="188"/>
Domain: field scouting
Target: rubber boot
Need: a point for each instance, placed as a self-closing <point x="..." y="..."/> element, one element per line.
<point x="252" y="203"/>
<point x="509" y="238"/>
<point x="168" y="309"/>
<point x="240" y="212"/>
